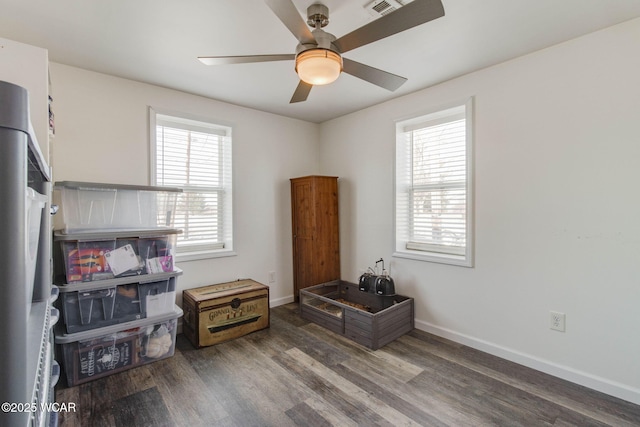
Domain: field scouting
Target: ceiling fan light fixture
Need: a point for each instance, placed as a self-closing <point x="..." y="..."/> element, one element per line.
<point x="318" y="66"/>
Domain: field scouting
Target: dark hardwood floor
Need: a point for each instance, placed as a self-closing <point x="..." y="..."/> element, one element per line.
<point x="297" y="373"/>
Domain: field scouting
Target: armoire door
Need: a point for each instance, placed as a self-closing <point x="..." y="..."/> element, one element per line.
<point x="302" y="227"/>
<point x="316" y="247"/>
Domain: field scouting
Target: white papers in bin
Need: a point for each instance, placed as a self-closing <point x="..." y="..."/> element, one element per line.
<point x="154" y="265"/>
<point x="122" y="259"/>
<point x="160" y="303"/>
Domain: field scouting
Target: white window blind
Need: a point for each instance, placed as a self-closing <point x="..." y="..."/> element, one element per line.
<point x="433" y="186"/>
<point x="196" y="156"/>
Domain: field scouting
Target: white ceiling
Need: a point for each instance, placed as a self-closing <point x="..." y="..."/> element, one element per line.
<point x="157" y="41"/>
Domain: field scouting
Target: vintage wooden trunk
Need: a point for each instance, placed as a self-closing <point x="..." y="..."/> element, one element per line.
<point x="217" y="313"/>
<point x="368" y="319"/>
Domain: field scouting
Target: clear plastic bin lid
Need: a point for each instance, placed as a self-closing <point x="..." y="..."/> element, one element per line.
<point x="106" y="186"/>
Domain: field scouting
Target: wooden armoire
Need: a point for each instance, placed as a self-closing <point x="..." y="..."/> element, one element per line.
<point x="316" y="244"/>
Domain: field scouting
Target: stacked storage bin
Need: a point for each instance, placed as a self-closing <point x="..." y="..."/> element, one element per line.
<point x="114" y="264"/>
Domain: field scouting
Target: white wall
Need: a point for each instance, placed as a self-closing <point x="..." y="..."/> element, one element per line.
<point x="557" y="209"/>
<point x="26" y="66"/>
<point x="102" y="136"/>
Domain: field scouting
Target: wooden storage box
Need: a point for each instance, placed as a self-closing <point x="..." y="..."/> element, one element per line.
<point x="217" y="313"/>
<point x="368" y="319"/>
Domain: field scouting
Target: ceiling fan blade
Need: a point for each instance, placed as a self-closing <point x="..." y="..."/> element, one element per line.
<point x="301" y="93"/>
<point x="372" y="75"/>
<point x="415" y="13"/>
<point x="288" y="14"/>
<point x="221" y="60"/>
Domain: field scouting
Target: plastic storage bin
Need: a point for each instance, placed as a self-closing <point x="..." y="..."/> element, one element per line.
<point x="103" y="256"/>
<point x="86" y="306"/>
<point x="90" y="207"/>
<point x="95" y="354"/>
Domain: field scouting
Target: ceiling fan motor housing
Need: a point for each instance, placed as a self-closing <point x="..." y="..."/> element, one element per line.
<point x="324" y="40"/>
<point x="317" y="13"/>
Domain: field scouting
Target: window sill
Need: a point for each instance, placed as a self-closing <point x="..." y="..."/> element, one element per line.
<point x="195" y="256"/>
<point x="461" y="261"/>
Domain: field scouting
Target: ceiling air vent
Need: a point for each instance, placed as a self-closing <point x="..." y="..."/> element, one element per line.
<point x="378" y="8"/>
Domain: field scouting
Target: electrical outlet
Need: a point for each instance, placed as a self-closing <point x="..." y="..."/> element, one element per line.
<point x="272" y="277"/>
<point x="558" y="321"/>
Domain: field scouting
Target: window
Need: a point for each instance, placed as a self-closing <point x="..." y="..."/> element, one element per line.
<point x="434" y="209"/>
<point x="195" y="156"/>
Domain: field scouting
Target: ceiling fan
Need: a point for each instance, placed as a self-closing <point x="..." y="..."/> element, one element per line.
<point x="318" y="55"/>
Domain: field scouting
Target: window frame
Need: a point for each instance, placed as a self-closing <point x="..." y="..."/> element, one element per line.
<point x="403" y="248"/>
<point x="192" y="252"/>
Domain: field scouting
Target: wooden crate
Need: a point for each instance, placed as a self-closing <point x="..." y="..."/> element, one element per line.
<point x="218" y="313"/>
<point x="368" y="319"/>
